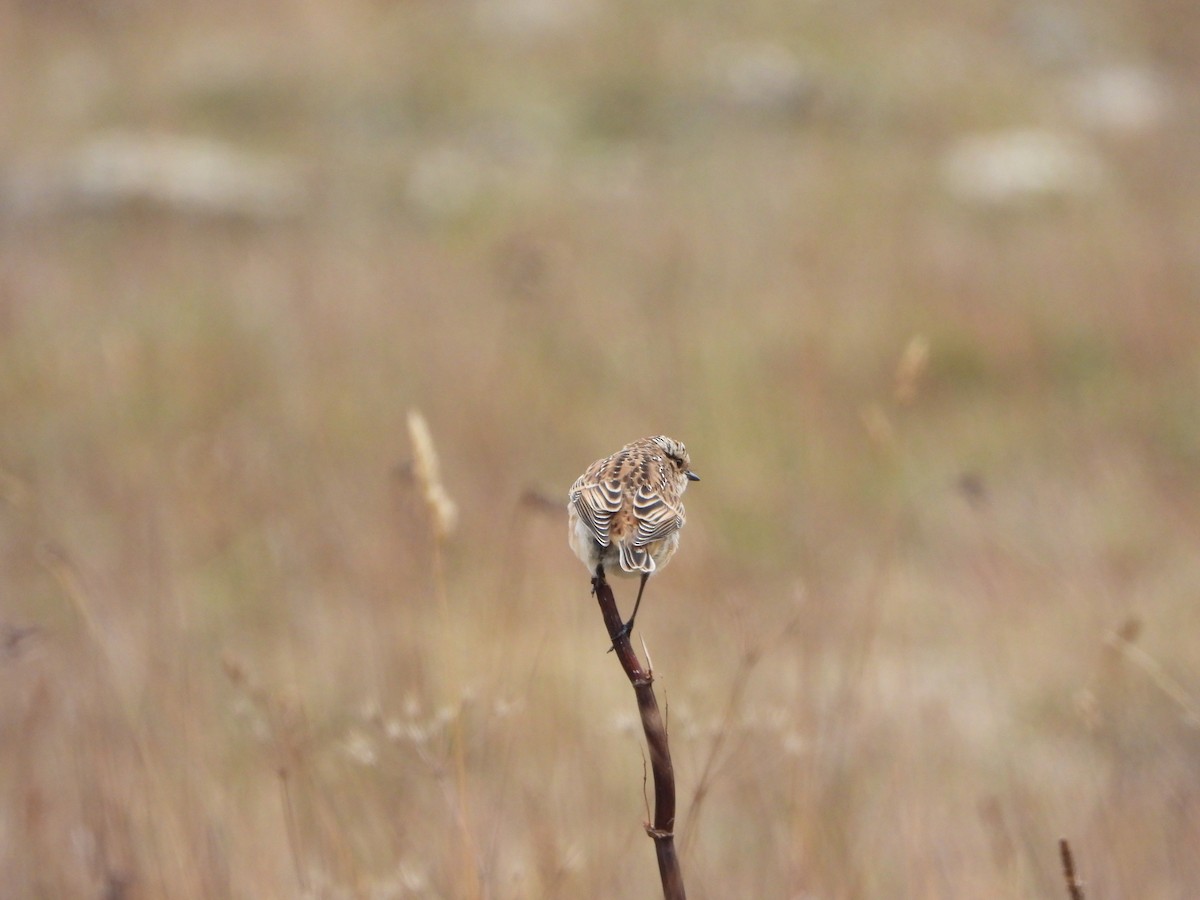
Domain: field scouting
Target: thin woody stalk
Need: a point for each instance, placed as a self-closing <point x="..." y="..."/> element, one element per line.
<point x="662" y="829"/>
<point x="1074" y="886"/>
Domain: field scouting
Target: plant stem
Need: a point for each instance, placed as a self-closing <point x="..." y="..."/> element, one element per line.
<point x="662" y="830"/>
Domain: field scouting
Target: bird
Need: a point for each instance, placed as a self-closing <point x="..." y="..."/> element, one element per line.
<point x="624" y="513"/>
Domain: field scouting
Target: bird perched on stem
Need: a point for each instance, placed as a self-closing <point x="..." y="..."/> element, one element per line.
<point x="625" y="512"/>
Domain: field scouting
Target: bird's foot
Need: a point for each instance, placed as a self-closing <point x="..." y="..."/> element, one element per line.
<point x="597" y="580"/>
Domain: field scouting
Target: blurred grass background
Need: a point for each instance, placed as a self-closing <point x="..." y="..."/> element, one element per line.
<point x="917" y="286"/>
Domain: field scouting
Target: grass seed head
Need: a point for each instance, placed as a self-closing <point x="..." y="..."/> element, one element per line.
<point x="442" y="510"/>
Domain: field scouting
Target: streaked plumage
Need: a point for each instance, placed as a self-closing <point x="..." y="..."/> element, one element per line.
<point x="626" y="510"/>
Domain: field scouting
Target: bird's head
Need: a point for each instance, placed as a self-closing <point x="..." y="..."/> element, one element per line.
<point x="676" y="455"/>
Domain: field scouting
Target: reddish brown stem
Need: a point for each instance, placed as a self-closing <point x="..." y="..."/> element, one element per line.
<point x="1074" y="887"/>
<point x="662" y="830"/>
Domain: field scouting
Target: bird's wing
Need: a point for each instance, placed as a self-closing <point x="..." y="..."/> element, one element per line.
<point x="656" y="518"/>
<point x="596" y="502"/>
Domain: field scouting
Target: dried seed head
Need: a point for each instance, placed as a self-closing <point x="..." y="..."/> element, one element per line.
<point x="910" y="371"/>
<point x="442" y="510"/>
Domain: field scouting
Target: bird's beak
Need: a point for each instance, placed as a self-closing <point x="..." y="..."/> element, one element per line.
<point x="692" y="476"/>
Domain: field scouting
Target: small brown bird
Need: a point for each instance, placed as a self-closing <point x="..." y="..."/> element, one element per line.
<point x="626" y="510"/>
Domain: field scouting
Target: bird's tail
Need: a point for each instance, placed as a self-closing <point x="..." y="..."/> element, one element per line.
<point x="636" y="559"/>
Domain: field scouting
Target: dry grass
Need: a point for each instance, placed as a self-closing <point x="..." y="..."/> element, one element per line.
<point x="237" y="659"/>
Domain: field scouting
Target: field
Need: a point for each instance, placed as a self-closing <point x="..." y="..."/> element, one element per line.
<point x="918" y="286"/>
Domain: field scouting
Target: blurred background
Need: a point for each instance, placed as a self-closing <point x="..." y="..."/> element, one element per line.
<point x="917" y="285"/>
